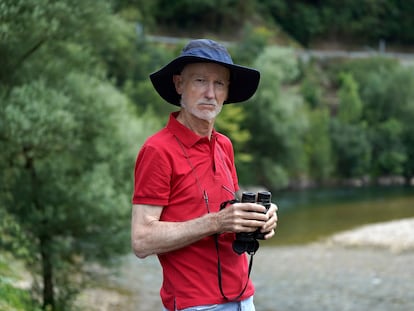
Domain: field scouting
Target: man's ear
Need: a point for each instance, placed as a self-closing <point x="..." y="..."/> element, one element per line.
<point x="177" y="79"/>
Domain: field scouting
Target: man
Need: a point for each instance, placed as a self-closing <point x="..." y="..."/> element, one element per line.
<point x="182" y="175"/>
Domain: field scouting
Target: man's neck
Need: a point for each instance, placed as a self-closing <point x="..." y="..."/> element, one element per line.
<point x="201" y="127"/>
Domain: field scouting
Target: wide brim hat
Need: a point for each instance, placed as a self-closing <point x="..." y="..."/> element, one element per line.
<point x="243" y="80"/>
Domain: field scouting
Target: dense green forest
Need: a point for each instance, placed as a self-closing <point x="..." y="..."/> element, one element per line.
<point x="76" y="104"/>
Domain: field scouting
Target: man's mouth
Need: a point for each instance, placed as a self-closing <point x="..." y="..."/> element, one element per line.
<point x="207" y="105"/>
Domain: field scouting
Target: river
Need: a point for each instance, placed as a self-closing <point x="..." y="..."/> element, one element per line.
<point x="310" y="215"/>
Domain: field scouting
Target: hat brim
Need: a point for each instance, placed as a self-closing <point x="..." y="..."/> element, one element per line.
<point x="243" y="80"/>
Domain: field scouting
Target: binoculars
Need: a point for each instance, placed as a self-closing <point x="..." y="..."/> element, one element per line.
<point x="247" y="241"/>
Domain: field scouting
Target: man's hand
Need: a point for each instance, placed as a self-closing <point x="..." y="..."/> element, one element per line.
<point x="271" y="224"/>
<point x="245" y="217"/>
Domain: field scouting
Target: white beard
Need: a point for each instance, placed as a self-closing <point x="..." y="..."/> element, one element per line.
<point x="203" y="114"/>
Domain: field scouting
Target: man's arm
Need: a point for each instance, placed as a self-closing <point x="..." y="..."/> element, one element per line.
<point x="151" y="236"/>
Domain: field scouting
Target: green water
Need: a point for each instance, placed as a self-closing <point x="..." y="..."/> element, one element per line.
<point x="308" y="216"/>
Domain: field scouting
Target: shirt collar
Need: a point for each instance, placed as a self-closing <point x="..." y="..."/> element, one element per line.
<point x="184" y="134"/>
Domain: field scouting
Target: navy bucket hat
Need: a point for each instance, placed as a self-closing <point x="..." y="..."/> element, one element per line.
<point x="243" y="80"/>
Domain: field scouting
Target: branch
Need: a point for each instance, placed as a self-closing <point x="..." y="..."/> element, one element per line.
<point x="30" y="52"/>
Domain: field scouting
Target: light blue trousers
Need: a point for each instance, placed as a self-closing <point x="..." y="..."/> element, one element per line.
<point x="244" y="305"/>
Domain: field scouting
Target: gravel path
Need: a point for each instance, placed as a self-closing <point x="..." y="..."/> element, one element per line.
<point x="370" y="268"/>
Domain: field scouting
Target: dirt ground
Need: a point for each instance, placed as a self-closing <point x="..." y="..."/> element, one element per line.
<point x="331" y="277"/>
<point x="369" y="268"/>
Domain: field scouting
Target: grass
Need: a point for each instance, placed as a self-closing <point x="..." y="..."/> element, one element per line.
<point x="13" y="298"/>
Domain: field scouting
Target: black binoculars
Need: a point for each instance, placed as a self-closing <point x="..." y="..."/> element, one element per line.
<point x="247" y="241"/>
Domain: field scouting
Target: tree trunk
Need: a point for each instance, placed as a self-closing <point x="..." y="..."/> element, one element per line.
<point x="47" y="273"/>
<point x="47" y="268"/>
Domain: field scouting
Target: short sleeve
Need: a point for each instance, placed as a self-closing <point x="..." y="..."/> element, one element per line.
<point x="152" y="177"/>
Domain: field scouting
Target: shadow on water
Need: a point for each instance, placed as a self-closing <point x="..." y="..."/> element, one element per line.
<point x="307" y="216"/>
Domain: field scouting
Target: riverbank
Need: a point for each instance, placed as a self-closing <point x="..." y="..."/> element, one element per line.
<point x="368" y="268"/>
<point x="396" y="236"/>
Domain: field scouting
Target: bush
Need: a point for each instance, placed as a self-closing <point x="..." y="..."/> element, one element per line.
<point x="12" y="298"/>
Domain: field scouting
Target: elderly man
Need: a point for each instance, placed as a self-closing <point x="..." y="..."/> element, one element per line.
<point x="182" y="175"/>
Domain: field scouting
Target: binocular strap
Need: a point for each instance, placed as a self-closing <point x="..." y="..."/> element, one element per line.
<point x="220" y="283"/>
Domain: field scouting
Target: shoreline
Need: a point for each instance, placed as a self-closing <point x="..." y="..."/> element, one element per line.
<point x="396" y="236"/>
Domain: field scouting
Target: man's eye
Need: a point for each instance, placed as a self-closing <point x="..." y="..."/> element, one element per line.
<point x="220" y="85"/>
<point x="199" y="82"/>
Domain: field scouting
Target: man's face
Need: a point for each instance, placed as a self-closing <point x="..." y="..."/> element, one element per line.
<point x="203" y="88"/>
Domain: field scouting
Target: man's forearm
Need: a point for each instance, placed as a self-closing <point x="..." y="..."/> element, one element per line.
<point x="157" y="237"/>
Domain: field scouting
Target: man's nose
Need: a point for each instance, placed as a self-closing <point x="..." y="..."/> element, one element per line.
<point x="210" y="90"/>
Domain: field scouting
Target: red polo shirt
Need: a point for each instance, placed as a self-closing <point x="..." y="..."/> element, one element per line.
<point x="173" y="169"/>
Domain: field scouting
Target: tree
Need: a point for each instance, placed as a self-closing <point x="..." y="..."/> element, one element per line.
<point x="68" y="139"/>
<point x="388" y="150"/>
<point x="62" y="183"/>
<point x="203" y="15"/>
<point x="230" y="123"/>
<point x="318" y="145"/>
<point x="252" y="44"/>
<point x="354" y="21"/>
<point x="276" y="121"/>
<point x="349" y="133"/>
<point x="350" y="104"/>
<point x="317" y="141"/>
<point x="351" y="147"/>
<point x="385" y="89"/>
<point x="391" y="126"/>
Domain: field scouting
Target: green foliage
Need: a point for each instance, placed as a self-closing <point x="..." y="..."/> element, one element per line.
<point x="349" y="135"/>
<point x="363" y="22"/>
<point x="317" y="139"/>
<point x="140" y="11"/>
<point x="203" y="15"/>
<point x="229" y="122"/>
<point x="254" y="40"/>
<point x="372" y="76"/>
<point x="68" y="139"/>
<point x="369" y="131"/>
<point x="61" y="175"/>
<point x="350" y="104"/>
<point x="318" y="146"/>
<point x="138" y="87"/>
<point x="360" y="21"/>
<point x="388" y="148"/>
<point x="14" y="299"/>
<point x="276" y="120"/>
<point x="385" y="90"/>
<point x="311" y="85"/>
<point x="352" y="149"/>
<point x="11" y="297"/>
<point x="293" y="15"/>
